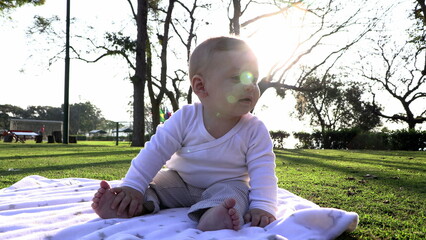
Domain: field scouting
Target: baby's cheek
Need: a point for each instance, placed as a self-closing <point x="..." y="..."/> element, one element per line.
<point x="231" y="98"/>
<point x="238" y="89"/>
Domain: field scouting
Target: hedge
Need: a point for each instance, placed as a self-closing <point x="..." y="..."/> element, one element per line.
<point x="356" y="139"/>
<point x="278" y="138"/>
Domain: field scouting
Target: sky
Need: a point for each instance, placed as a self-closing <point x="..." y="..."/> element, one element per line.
<point x="25" y="68"/>
<point x="26" y="79"/>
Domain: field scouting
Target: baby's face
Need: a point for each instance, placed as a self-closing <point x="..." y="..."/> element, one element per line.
<point x="231" y="82"/>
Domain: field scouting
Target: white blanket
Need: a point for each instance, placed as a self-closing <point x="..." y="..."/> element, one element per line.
<point x="41" y="208"/>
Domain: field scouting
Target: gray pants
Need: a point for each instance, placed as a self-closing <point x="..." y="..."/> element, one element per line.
<point x="168" y="190"/>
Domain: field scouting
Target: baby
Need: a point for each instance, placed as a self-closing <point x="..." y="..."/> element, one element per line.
<point x="218" y="156"/>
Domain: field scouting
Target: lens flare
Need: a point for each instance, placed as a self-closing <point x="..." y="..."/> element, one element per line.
<point x="231" y="99"/>
<point x="246" y="78"/>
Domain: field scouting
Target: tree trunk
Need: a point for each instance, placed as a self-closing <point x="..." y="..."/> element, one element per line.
<point x="156" y="101"/>
<point x="173" y="101"/>
<point x="138" y="139"/>
<point x="155" y="111"/>
<point x="235" y="21"/>
<point x="140" y="75"/>
<point x="189" y="97"/>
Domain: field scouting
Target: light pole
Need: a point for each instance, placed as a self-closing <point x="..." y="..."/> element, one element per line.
<point x="67" y="77"/>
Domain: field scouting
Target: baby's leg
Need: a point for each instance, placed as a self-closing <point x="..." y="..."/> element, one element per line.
<point x="169" y="189"/>
<point x="223" y="216"/>
<point x="104" y="198"/>
<point x="102" y="202"/>
<point x="228" y="201"/>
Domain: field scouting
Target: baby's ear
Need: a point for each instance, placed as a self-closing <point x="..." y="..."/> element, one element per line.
<point x="197" y="84"/>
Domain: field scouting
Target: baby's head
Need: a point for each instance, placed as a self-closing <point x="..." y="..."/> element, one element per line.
<point x="223" y="72"/>
<point x="202" y="55"/>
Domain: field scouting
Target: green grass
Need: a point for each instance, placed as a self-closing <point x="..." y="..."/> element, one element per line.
<point x="99" y="160"/>
<point x="386" y="188"/>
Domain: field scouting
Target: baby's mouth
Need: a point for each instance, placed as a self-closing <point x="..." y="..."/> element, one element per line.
<point x="245" y="100"/>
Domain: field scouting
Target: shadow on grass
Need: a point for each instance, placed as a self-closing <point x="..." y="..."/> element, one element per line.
<point x="411" y="161"/>
<point x="38" y="170"/>
<point x="87" y="153"/>
<point x="416" y="185"/>
<point x="51" y="145"/>
<point x="346" y="236"/>
<point x="409" y="164"/>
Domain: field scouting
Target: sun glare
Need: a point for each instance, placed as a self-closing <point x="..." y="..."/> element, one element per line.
<point x="246" y="78"/>
<point x="274" y="39"/>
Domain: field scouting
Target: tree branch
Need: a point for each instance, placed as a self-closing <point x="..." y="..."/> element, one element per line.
<point x="132" y="9"/>
<point x="244" y="24"/>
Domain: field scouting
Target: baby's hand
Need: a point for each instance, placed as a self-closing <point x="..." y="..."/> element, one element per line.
<point x="127" y="197"/>
<point x="258" y="217"/>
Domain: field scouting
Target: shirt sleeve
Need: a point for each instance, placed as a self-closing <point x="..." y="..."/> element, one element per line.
<point x="261" y="169"/>
<point x="166" y="141"/>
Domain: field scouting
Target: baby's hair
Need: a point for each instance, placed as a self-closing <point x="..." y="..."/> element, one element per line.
<point x="203" y="53"/>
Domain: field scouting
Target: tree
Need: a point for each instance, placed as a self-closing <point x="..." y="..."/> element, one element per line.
<point x="84" y="117"/>
<point x="401" y="78"/>
<point x="10" y="4"/>
<point x="361" y="114"/>
<point x="419" y="34"/>
<point x="140" y="76"/>
<point x="160" y="87"/>
<point x="187" y="40"/>
<point x="163" y="39"/>
<point x="8" y="111"/>
<point x="167" y="84"/>
<point x="336" y="106"/>
<point x="402" y="70"/>
<point x="44" y="113"/>
<point x="321" y="21"/>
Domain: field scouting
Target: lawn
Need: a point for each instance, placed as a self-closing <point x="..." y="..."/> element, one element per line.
<point x="386" y="188"/>
<point x="98" y="160"/>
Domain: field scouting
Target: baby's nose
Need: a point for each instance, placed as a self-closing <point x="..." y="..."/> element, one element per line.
<point x="249" y="87"/>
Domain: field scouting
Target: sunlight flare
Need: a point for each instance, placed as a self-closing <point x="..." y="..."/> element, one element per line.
<point x="246" y="78"/>
<point x="231" y="99"/>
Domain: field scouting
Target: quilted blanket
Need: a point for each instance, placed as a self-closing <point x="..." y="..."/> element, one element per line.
<point x="41" y="208"/>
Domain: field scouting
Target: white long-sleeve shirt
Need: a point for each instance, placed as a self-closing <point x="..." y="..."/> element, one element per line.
<point x="184" y="145"/>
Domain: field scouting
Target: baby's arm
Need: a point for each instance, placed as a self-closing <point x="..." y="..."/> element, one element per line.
<point x="260" y="160"/>
<point x="258" y="217"/>
<point x="146" y="165"/>
<point x="127" y="198"/>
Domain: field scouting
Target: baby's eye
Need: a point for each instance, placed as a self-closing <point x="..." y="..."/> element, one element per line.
<point x="247" y="78"/>
<point x="236" y="78"/>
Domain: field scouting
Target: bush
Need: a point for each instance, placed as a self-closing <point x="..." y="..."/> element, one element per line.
<point x="371" y="140"/>
<point x="306" y="140"/>
<point x="278" y="138"/>
<point x="408" y="140"/>
<point x="356" y="139"/>
<point x="81" y="138"/>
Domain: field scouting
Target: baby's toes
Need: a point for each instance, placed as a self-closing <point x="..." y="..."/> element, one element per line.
<point x="101" y="191"/>
<point x="94" y="205"/>
<point x="233" y="214"/>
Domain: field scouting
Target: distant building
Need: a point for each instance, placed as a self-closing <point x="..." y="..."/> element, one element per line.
<point x="45" y="127"/>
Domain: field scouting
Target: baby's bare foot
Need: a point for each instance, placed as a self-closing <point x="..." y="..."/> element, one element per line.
<point x="97" y="197"/>
<point x="224" y="216"/>
<point x="102" y="202"/>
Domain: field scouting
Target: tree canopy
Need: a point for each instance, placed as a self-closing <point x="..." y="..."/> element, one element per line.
<point x="10" y="4"/>
<point x="397" y="67"/>
<point x="84" y="117"/>
<point x="336" y="105"/>
<point x="164" y="32"/>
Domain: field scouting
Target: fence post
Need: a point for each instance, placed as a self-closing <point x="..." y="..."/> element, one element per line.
<point x="116" y="134"/>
